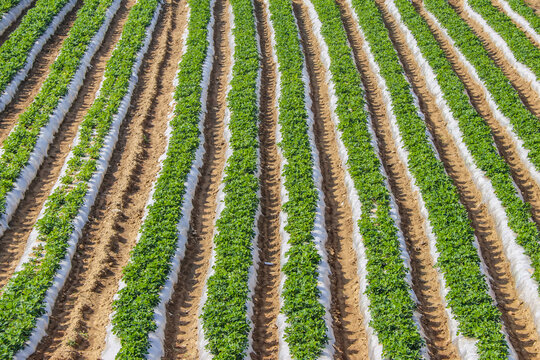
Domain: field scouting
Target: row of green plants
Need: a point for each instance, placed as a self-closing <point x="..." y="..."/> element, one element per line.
<point x="520" y="7"/>
<point x="151" y="259"/>
<point x="524" y="50"/>
<point x="468" y="293"/>
<point x="23" y="298"/>
<point x="6" y="5"/>
<point x="21" y="142"/>
<point x="476" y="135"/>
<point x="391" y="305"/>
<point x="224" y="315"/>
<point x="18" y="147"/>
<point x="525" y="124"/>
<point x="15" y="49"/>
<point x="306" y="331"/>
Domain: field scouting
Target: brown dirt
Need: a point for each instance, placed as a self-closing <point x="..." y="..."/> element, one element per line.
<point x="81" y="313"/>
<point x="528" y="96"/>
<point x="13" y="242"/>
<point x="29" y="88"/>
<point x="505" y="145"/>
<point x="266" y="297"/>
<point x="535" y="5"/>
<point x="515" y="314"/>
<point x="498" y="5"/>
<point x="425" y="280"/>
<point x="347" y="320"/>
<point x="15" y="24"/>
<point x="181" y="331"/>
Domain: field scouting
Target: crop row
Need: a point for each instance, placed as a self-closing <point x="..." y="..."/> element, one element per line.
<point x="526" y="12"/>
<point x="31" y="292"/>
<point x="391" y="304"/>
<point x="477" y="136"/>
<point x="468" y="294"/>
<point x="6" y="5"/>
<point x="225" y="312"/>
<point x="26" y="146"/>
<point x="306" y="330"/>
<point x="525" y="124"/>
<point x="523" y="49"/>
<point x="163" y="235"/>
<point x="36" y="22"/>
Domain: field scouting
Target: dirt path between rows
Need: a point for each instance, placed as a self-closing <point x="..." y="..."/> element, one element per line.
<point x="13" y="242"/>
<point x="425" y="279"/>
<point x="515" y="314"/>
<point x="29" y="88"/>
<point x="528" y="96"/>
<point x="15" y="24"/>
<point x="82" y="310"/>
<point x="181" y="331"/>
<point x="529" y="189"/>
<point x="498" y="5"/>
<point x="535" y="5"/>
<point x="347" y="320"/>
<point x="266" y="303"/>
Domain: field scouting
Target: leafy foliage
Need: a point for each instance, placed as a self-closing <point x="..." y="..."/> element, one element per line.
<point x="22" y="300"/>
<point x="476" y="135"/>
<point x="459" y="262"/>
<point x="6" y="5"/>
<point x="525" y="124"/>
<point x="14" y="50"/>
<point x="523" y="49"/>
<point x="224" y="315"/>
<point x="522" y="9"/>
<point x="151" y="259"/>
<point x="391" y="305"/>
<point x="306" y="330"/>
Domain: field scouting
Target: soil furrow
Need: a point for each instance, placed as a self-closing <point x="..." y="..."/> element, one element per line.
<point x="425" y="277"/>
<point x="181" y="331"/>
<point x="527" y="95"/>
<point x="498" y="5"/>
<point x="81" y="314"/>
<point x="535" y="5"/>
<point x="266" y="298"/>
<point x="15" y="24"/>
<point x="13" y="242"/>
<point x="29" y="88"/>
<point x="515" y="314"/>
<point x="347" y="320"/>
<point x="529" y="189"/>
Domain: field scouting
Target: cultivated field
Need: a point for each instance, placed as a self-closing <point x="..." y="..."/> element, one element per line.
<point x="269" y="179"/>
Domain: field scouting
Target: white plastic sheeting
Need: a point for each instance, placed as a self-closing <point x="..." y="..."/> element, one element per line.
<point x="79" y="222"/>
<point x="481" y="181"/>
<point x="204" y="354"/>
<point x="524" y="72"/>
<point x="11" y="90"/>
<point x="156" y="338"/>
<point x="503" y="120"/>
<point x="47" y="133"/>
<point x="520" y="263"/>
<point x="520" y="21"/>
<point x="13" y="14"/>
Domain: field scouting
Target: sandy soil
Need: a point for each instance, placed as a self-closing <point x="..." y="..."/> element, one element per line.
<point x="81" y="313"/>
<point x="181" y="332"/>
<point x="266" y="298"/>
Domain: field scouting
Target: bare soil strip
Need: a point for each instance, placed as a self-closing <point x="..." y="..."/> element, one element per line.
<point x="13" y="242"/>
<point x="266" y="303"/>
<point x="181" y="331"/>
<point x="29" y="88"/>
<point x="425" y="279"/>
<point x="505" y="145"/>
<point x="15" y="24"/>
<point x="81" y="313"/>
<point x="498" y="5"/>
<point x="535" y="5"/>
<point x="516" y="315"/>
<point x="529" y="97"/>
<point x="347" y="321"/>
